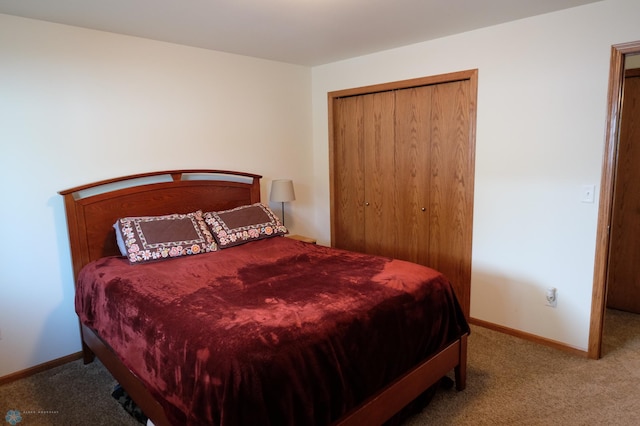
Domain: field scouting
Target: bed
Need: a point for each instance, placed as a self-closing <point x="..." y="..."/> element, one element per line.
<point x="270" y="331"/>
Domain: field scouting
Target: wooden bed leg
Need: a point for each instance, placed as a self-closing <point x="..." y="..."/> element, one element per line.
<point x="87" y="354"/>
<point x="461" y="368"/>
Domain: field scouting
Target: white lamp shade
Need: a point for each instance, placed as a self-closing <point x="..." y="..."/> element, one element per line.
<point x="282" y="191"/>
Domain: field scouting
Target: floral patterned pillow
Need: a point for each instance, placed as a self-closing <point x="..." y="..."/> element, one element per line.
<point x="148" y="238"/>
<point x="243" y="224"/>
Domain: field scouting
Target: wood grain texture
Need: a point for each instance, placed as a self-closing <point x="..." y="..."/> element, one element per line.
<point x="347" y="230"/>
<point x="406" y="84"/>
<point x="623" y="280"/>
<point x="413" y="176"/>
<point x="422" y="211"/>
<point x="451" y="190"/>
<point x="379" y="171"/>
<point x="90" y="219"/>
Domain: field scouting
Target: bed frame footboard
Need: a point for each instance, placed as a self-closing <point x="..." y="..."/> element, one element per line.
<point x="390" y="400"/>
<point x="374" y="411"/>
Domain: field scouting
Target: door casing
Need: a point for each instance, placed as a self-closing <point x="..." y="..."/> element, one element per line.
<point x="605" y="207"/>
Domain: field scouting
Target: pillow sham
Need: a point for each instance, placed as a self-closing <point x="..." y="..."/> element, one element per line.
<point x="146" y="238"/>
<point x="243" y="224"/>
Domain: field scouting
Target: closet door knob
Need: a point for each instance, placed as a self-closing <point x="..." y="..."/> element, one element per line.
<point x="423" y="209"/>
<point x="366" y="204"/>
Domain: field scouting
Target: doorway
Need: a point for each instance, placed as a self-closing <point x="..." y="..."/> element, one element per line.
<point x="619" y="53"/>
<point x="623" y="279"/>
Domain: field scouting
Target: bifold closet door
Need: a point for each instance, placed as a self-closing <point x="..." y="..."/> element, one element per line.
<point x="363" y="173"/>
<point x="452" y="170"/>
<point x="348" y="173"/>
<point x="379" y="170"/>
<point x="402" y="172"/>
<point x="413" y="174"/>
<point x="434" y="180"/>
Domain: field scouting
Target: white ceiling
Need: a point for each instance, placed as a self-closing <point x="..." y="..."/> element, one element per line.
<point x="305" y="32"/>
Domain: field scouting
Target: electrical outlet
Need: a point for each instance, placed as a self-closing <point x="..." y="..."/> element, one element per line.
<point x="552" y="297"/>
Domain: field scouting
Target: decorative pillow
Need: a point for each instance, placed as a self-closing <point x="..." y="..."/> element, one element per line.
<point x="147" y="238"/>
<point x="243" y="224"/>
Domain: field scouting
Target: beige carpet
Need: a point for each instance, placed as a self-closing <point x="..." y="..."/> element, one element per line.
<point x="515" y="382"/>
<point x="510" y="381"/>
<point x="73" y="394"/>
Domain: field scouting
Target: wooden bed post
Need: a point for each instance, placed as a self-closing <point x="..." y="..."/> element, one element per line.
<point x="461" y="369"/>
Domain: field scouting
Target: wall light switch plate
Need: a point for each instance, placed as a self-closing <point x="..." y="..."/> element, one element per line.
<point x="588" y="193"/>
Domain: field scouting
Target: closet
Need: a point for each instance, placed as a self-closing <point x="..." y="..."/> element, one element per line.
<point x="402" y="168"/>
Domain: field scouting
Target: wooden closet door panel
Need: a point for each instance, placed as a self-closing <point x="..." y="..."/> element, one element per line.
<point x="451" y="203"/>
<point x="379" y="171"/>
<point x="413" y="158"/>
<point x="436" y="175"/>
<point x="348" y="173"/>
<point x="623" y="282"/>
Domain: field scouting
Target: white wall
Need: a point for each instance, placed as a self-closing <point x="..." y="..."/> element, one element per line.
<point x="78" y="106"/>
<point x="540" y="137"/>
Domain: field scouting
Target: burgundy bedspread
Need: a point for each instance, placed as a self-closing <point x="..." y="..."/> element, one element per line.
<point x="273" y="332"/>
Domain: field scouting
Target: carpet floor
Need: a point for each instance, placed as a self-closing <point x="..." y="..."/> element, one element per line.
<point x="510" y="381"/>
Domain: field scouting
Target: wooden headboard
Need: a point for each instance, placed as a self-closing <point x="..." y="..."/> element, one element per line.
<point x="92" y="209"/>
